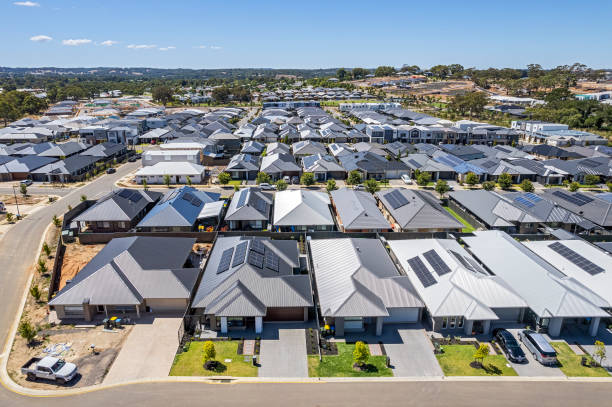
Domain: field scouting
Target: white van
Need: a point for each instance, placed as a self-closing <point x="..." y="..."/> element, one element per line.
<point x="539" y="347"/>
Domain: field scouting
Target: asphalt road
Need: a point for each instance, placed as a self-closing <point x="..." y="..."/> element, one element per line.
<point x="35" y="190"/>
<point x="19" y="250"/>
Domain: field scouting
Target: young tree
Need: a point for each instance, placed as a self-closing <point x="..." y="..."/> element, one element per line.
<point x="371" y="185"/>
<point x="46" y="249"/>
<point x="442" y="187"/>
<point x="83" y="198"/>
<point x="188" y="180"/>
<point x="27" y="331"/>
<point x="423" y="178"/>
<point x="145" y="186"/>
<point x="307" y="179"/>
<point x="209" y="351"/>
<point x="35" y="292"/>
<point x="56" y="221"/>
<point x="481" y="353"/>
<point x="471" y="179"/>
<point x="167" y="180"/>
<point x="504" y="180"/>
<point x="574" y="186"/>
<point x="331" y="185"/>
<point x="600" y="351"/>
<point x="262" y="178"/>
<point x="236" y="188"/>
<point x="488" y="185"/>
<point x="23" y="188"/>
<point x="42" y="266"/>
<point x="361" y="354"/>
<point x="354" y="178"/>
<point x="281" y="185"/>
<point x="609" y="185"/>
<point x="224" y="178"/>
<point x="10" y="217"/>
<point x="527" y="186"/>
<point x="591" y="179"/>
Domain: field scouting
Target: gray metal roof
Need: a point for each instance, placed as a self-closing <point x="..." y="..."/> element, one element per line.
<point x="356" y="277"/>
<point x="297" y="207"/>
<point x="119" y="206"/>
<point x="131" y="269"/>
<point x="248" y="290"/>
<point x="547" y="291"/>
<point x="254" y="206"/>
<point x="358" y="210"/>
<point x="421" y="210"/>
<point x="279" y="163"/>
<point x="598" y="211"/>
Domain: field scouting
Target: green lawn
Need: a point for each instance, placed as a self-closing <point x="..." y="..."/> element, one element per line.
<point x="468" y="228"/>
<point x="235" y="182"/>
<point x="191" y="363"/>
<point x="342" y="365"/>
<point x="456" y="359"/>
<point x="570" y="363"/>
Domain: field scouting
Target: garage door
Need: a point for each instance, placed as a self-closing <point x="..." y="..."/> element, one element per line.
<point x="172" y="305"/>
<point x="402" y="315"/>
<point x="285" y="314"/>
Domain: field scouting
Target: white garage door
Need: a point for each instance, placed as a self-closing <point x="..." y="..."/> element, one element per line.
<point x="402" y="315"/>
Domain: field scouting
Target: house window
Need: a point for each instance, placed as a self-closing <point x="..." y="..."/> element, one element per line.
<point x="459" y="322"/>
<point x="444" y="322"/>
<point x="106" y="225"/>
<point x="452" y="322"/>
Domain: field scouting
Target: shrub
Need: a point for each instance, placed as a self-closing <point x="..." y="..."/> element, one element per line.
<point x="307" y="179"/>
<point x="35" y="292"/>
<point x="331" y="185"/>
<point x="527" y="186"/>
<point x="281" y="185"/>
<point x="361" y="354"/>
<point x="371" y="186"/>
<point x="354" y="178"/>
<point x="46" y="249"/>
<point x="471" y="179"/>
<point x="224" y="178"/>
<point x="56" y="221"/>
<point x="42" y="266"/>
<point x="591" y="179"/>
<point x="423" y="178"/>
<point x="574" y="186"/>
<point x="27" y="331"/>
<point x="504" y="180"/>
<point x="262" y="178"/>
<point x="488" y="185"/>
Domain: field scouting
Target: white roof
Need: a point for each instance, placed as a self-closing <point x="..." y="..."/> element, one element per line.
<point x="171" y="168"/>
<point x="169" y="152"/>
<point x="473" y="294"/>
<point x="211" y="209"/>
<point x="547" y="291"/>
<point x="298" y="207"/>
<point x="182" y="146"/>
<point x="600" y="283"/>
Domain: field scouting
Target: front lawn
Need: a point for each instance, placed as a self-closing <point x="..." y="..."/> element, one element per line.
<point x="235" y="182"/>
<point x="341" y="365"/>
<point x="191" y="363"/>
<point x="468" y="228"/>
<point x="456" y="359"/>
<point x="571" y="365"/>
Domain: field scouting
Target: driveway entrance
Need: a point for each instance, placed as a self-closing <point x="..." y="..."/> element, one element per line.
<point x="283" y="351"/>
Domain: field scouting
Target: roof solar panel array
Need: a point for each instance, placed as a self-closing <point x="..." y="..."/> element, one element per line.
<point x="240" y="255"/>
<point x="576" y="258"/>
<point x="226" y="259"/>
<point x="396" y="199"/>
<point x="436" y="262"/>
<point x="577" y="199"/>
<point x="422" y="273"/>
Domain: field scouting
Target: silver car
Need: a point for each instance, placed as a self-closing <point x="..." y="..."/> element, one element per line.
<point x="539" y="347"/>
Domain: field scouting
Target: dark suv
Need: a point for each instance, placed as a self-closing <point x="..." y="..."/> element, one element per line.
<point x="510" y="346"/>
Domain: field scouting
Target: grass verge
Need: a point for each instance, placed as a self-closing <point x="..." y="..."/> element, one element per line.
<point x="571" y="365"/>
<point x="468" y="228"/>
<point x="341" y="365"/>
<point x="456" y="359"/>
<point x="191" y="363"/>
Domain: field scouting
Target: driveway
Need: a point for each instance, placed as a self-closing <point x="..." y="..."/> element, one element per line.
<point x="283" y="351"/>
<point x="533" y="368"/>
<point x="148" y="351"/>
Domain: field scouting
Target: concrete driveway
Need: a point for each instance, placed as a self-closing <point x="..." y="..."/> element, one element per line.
<point x="283" y="351"/>
<point x="408" y="347"/>
<point x="148" y="351"/>
<point x="532" y="368"/>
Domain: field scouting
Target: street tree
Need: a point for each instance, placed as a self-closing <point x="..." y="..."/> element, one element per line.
<point x="423" y="178"/>
<point x="471" y="179"/>
<point x="361" y="354"/>
<point x="481" y="353"/>
<point x="167" y="180"/>
<point x="307" y="179"/>
<point x="262" y="178"/>
<point x="488" y="185"/>
<point x="504" y="180"/>
<point x="281" y="185"/>
<point x="371" y="185"/>
<point x="354" y="178"/>
<point x="574" y="186"/>
<point x="527" y="186"/>
<point x="224" y="178"/>
<point x="442" y="187"/>
<point x="331" y="185"/>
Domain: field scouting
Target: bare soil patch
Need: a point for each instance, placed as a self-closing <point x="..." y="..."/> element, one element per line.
<point x="75" y="258"/>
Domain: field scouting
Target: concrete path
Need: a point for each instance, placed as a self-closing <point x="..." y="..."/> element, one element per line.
<point x="282" y="352"/>
<point x="248" y="347"/>
<point x="147" y="352"/>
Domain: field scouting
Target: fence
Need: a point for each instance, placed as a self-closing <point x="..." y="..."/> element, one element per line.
<point x="57" y="268"/>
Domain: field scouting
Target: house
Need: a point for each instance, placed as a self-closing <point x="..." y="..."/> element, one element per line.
<point x="63" y="150"/>
<point x="301" y="210"/>
<point x="323" y="167"/>
<point x="374" y="148"/>
<point x="253" y="148"/>
<point x="178" y="172"/>
<point x="177" y="211"/>
<point x="139" y="273"/>
<point x="578" y="169"/>
<point x="410" y="210"/>
<point x="72" y="169"/>
<point x="118" y="211"/>
<point x="545" y="152"/>
<point x="373" y="166"/>
<point x="250" y="208"/>
<point x="274" y="148"/>
<point x="515" y="212"/>
<point x="229" y="143"/>
<point x="554" y="299"/>
<point x="243" y="166"/>
<point x="106" y="151"/>
<point x="279" y="165"/>
<point x="304" y="148"/>
<point x="155" y="136"/>
<point x="21" y="167"/>
<point x="592" y="207"/>
<point x="359" y="287"/>
<point x="398" y="149"/>
<point x="357" y="211"/>
<point x="466" y="153"/>
<point x="423" y="163"/>
<point x="460" y="295"/>
<point x="249" y="281"/>
<point x="152" y="157"/>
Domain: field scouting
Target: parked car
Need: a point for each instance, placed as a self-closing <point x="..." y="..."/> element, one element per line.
<point x="406" y="179"/>
<point x="2" y="207"/>
<point x="359" y="187"/>
<point x="111" y="171"/>
<point x="510" y="346"/>
<point x="26" y="182"/>
<point x="287" y="179"/>
<point x="295" y="180"/>
<point x="133" y="159"/>
<point x="49" y="368"/>
<point x="267" y="187"/>
<point x="539" y="347"/>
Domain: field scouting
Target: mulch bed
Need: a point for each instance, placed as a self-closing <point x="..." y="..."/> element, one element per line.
<point x="311" y="341"/>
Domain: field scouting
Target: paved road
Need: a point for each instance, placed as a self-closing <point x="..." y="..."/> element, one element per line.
<point x="34" y="190"/>
<point x="18" y="250"/>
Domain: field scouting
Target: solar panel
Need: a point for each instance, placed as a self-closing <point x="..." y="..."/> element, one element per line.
<point x="577" y="199"/>
<point x="258" y="246"/>
<point x="256" y="259"/>
<point x="462" y="260"/>
<point x="524" y="202"/>
<point x="196" y="201"/>
<point x="583" y="198"/>
<point x="505" y="150"/>
<point x="396" y="199"/>
<point x="436" y="262"/>
<point x="532" y="197"/>
<point x="575" y="258"/>
<point x="271" y="260"/>
<point x="188" y="196"/>
<point x="226" y="258"/>
<point x="135" y="197"/>
<point x="242" y="198"/>
<point x="418" y="267"/>
<point x="125" y="193"/>
<point x="590" y="163"/>
<point x="240" y="254"/>
<point x="261" y="205"/>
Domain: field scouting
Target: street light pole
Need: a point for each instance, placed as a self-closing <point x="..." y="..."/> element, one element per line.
<point x="16" y="203"/>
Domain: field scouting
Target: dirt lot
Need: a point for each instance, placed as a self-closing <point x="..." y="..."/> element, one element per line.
<point x="75" y="258"/>
<point x="23" y="200"/>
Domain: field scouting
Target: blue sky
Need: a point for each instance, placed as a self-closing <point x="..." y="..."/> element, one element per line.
<point x="305" y="34"/>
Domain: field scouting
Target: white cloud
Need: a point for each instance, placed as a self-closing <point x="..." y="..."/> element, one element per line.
<point x="214" y="47"/>
<point x="109" y="43"/>
<point x="141" y="46"/>
<point x="40" y="38"/>
<point x="74" y="43"/>
<point x="26" y="4"/>
<point x="167" y="48"/>
<point x="201" y="46"/>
